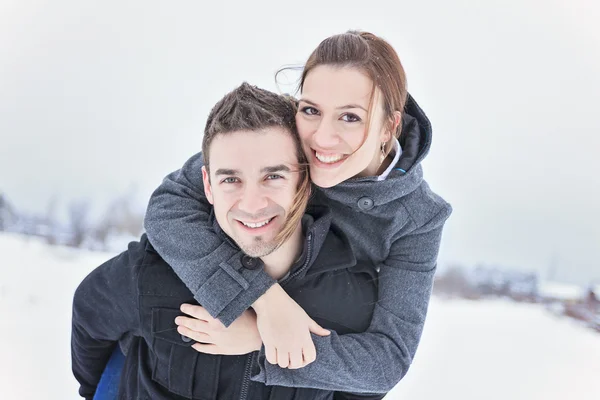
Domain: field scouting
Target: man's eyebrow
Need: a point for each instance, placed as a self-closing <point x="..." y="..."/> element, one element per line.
<point x="264" y="170"/>
<point x="347" y="106"/>
<point x="226" y="171"/>
<point x="275" y="168"/>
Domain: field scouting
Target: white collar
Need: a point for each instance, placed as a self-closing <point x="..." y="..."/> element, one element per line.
<point x="398" y="150"/>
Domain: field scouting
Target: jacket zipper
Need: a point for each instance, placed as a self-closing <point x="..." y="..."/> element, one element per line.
<point x="306" y="262"/>
<point x="246" y="380"/>
<point x="248" y="370"/>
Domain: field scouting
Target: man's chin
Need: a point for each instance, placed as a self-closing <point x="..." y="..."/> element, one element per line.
<point x="258" y="251"/>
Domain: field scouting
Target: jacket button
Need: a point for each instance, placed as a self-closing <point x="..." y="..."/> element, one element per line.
<point x="365" y="203"/>
<point x="249" y="262"/>
<point x="186" y="339"/>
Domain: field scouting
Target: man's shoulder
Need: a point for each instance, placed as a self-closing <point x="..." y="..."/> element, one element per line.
<point x="138" y="256"/>
<point x="156" y="276"/>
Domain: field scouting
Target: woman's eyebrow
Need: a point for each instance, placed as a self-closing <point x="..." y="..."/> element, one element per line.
<point x="352" y="106"/>
<point x="347" y="106"/>
<point x="312" y="103"/>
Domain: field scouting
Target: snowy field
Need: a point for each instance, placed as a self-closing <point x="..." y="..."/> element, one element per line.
<point x="470" y="350"/>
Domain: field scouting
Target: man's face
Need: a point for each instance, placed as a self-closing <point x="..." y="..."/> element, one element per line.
<point x="253" y="181"/>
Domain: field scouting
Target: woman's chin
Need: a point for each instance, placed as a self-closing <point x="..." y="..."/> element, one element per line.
<point x="325" y="180"/>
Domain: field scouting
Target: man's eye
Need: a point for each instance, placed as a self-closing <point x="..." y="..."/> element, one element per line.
<point x="229" y="180"/>
<point x="350" y="118"/>
<point x="309" y="110"/>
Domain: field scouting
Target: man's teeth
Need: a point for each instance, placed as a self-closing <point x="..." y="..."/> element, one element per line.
<point x="329" y="159"/>
<point x="256" y="224"/>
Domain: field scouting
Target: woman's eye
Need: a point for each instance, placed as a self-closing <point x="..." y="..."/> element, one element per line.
<point x="310" y="111"/>
<point x="274" y="176"/>
<point x="229" y="180"/>
<point x="350" y="118"/>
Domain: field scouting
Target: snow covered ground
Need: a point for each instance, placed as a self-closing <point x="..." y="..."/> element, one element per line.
<point x="496" y="350"/>
<point x="470" y="350"/>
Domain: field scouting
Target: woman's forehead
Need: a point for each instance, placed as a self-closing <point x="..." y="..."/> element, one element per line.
<point x="333" y="86"/>
<point x="336" y="88"/>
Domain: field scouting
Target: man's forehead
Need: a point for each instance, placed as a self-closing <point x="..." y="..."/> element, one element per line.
<point x="253" y="152"/>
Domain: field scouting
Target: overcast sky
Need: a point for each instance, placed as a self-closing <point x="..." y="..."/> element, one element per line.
<point x="96" y="98"/>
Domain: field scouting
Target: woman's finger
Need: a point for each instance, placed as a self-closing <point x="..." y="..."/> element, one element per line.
<point x="207" y="348"/>
<point x="295" y="359"/>
<point x="283" y="358"/>
<point x="198" y="312"/>
<point x="197" y="336"/>
<point x="194" y="324"/>
<point x="309" y="354"/>
<point x="271" y="354"/>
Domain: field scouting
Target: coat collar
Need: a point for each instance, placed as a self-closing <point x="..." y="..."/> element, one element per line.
<point x="328" y="247"/>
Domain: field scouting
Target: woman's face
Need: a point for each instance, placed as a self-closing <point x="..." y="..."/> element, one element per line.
<point x="332" y="122"/>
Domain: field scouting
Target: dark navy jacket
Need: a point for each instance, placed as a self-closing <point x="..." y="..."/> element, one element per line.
<point x="134" y="298"/>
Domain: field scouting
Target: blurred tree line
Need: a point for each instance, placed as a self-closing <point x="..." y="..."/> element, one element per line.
<point x="79" y="228"/>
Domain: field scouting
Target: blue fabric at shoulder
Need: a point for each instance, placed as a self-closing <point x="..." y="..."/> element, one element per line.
<point x="108" y="387"/>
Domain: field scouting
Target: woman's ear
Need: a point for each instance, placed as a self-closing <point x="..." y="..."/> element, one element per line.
<point x="393" y="126"/>
<point x="397" y="120"/>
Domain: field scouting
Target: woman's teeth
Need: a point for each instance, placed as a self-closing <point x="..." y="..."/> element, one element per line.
<point x="330" y="159"/>
<point x="256" y="224"/>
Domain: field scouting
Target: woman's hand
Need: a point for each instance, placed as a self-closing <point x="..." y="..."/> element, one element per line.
<point x="241" y="337"/>
<point x="285" y="329"/>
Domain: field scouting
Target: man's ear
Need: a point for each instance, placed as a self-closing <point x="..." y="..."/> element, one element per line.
<point x="207" y="187"/>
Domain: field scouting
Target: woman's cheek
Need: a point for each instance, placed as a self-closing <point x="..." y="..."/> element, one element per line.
<point x="302" y="132"/>
<point x="353" y="135"/>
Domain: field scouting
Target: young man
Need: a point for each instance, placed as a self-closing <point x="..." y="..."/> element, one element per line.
<point x="255" y="176"/>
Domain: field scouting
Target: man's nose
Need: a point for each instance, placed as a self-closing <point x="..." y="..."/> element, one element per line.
<point x="253" y="199"/>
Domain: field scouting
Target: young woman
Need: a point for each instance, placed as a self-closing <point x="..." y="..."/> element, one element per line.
<point x="365" y="138"/>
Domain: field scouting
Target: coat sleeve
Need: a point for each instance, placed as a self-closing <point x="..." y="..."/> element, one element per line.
<point x="376" y="360"/>
<point x="177" y="224"/>
<point x="105" y="307"/>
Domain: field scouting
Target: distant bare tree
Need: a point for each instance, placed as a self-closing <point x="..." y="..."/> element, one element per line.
<point x="125" y="219"/>
<point x="8" y="214"/>
<point x="102" y="231"/>
<point x="3" y="211"/>
<point x="78" y="224"/>
<point x="455" y="282"/>
<point x="121" y="217"/>
<point x="50" y="220"/>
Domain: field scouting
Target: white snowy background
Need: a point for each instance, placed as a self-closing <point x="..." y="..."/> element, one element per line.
<point x="100" y="97"/>
<point x="471" y="350"/>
